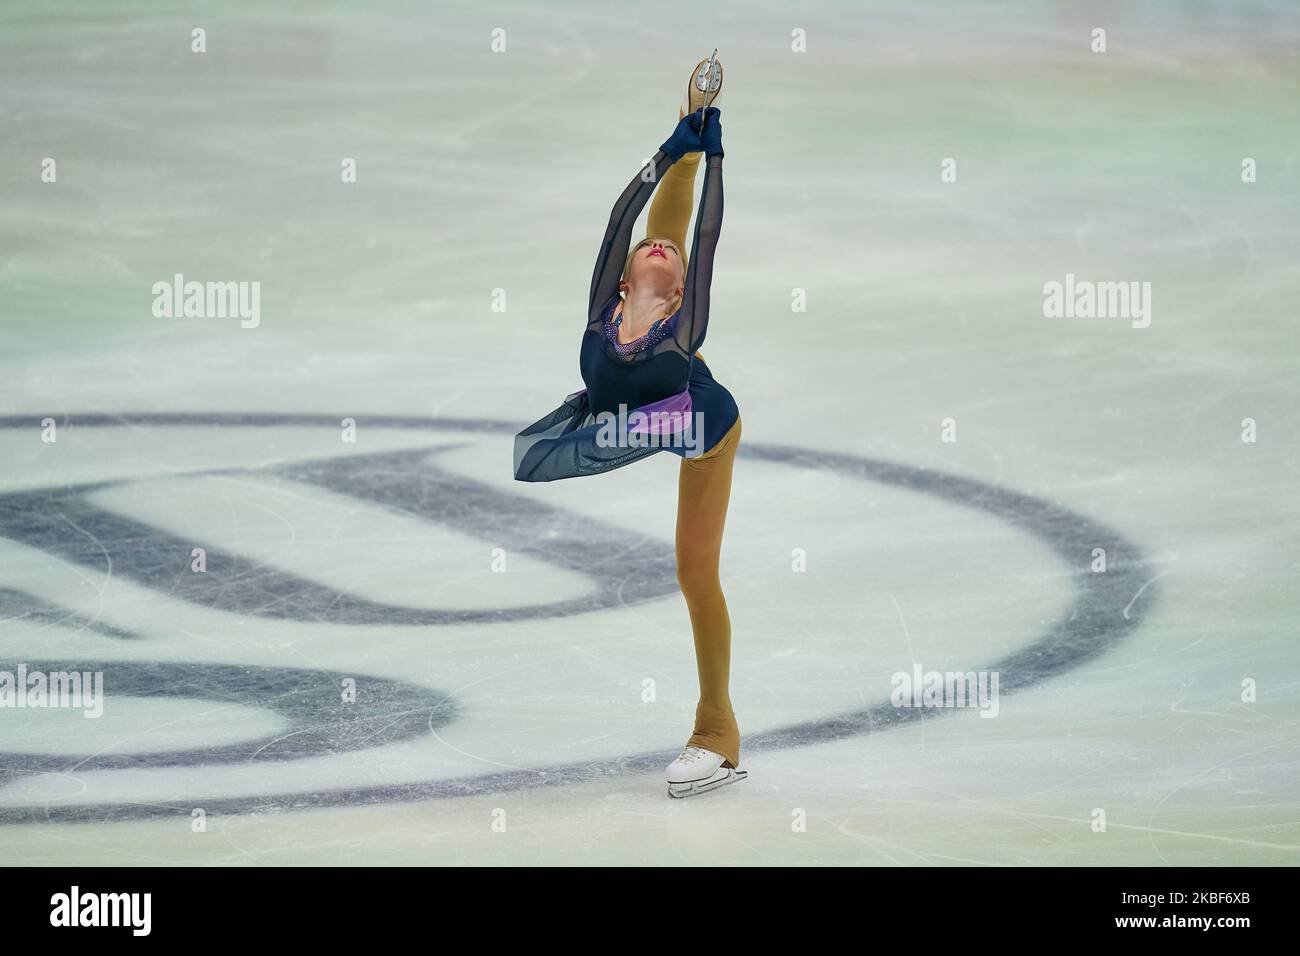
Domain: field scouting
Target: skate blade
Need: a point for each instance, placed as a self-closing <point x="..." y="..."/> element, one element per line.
<point x="724" y="776"/>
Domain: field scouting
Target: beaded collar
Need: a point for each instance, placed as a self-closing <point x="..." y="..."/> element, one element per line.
<point x="658" y="332"/>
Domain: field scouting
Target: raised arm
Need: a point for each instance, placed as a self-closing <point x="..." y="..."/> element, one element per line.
<point x="618" y="234"/>
<point x="693" y="320"/>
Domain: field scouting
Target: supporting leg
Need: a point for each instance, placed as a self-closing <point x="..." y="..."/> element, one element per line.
<point x="704" y="491"/>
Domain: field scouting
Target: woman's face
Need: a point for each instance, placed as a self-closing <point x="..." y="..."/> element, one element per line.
<point x="656" y="264"/>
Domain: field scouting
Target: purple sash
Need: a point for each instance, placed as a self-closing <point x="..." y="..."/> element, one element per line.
<point x="668" y="416"/>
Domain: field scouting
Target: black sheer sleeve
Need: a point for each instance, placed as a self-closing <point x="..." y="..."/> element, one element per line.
<point x="618" y="235"/>
<point x="693" y="320"/>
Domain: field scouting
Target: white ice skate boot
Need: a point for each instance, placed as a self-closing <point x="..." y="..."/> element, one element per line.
<point x="698" y="771"/>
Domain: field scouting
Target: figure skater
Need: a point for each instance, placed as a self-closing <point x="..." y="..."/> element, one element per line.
<point x="648" y="390"/>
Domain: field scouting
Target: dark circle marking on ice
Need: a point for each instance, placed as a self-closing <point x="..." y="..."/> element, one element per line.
<point x="1106" y="608"/>
<point x="320" y="721"/>
<point x="625" y="567"/>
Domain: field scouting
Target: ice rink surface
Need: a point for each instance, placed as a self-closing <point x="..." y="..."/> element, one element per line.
<point x="516" y="658"/>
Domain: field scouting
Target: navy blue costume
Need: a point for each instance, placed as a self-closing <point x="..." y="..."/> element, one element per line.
<point x="568" y="442"/>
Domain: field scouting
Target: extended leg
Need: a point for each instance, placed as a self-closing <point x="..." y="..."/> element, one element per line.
<point x="670" y="209"/>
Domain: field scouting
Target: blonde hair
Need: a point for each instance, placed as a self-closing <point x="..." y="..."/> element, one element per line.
<point x="675" y="302"/>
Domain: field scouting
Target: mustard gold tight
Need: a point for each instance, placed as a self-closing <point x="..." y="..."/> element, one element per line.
<point x="703" y="493"/>
<point x="670" y="209"/>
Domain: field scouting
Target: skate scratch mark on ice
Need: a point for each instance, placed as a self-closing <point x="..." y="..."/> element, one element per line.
<point x="907" y="635"/>
<point x="276" y="740"/>
<point x="293" y="533"/>
<point x="96" y="843"/>
<point x="83" y="787"/>
<point x="923" y="855"/>
<point x="117" y="743"/>
<point x="646" y="668"/>
<point x="1174" y="708"/>
<point x="391" y="724"/>
<point x="1122" y="826"/>
<point x="108" y="574"/>
<point x="1208" y="836"/>
<point x="524" y="107"/>
<point x="1140" y="590"/>
<point x="259" y="486"/>
<point x="451" y="398"/>
<point x="874" y="842"/>
<point x="117" y="265"/>
<point x="930" y="854"/>
<point x="455" y="694"/>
